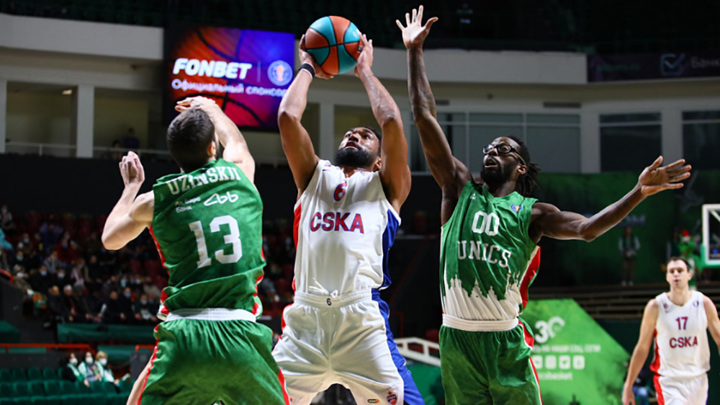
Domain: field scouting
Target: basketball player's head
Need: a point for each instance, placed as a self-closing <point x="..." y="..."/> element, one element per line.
<point x="191" y="139"/>
<point x="507" y="158"/>
<point x="678" y="272"/>
<point x="360" y="148"/>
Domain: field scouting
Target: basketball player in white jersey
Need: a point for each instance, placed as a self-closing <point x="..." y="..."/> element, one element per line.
<point x="346" y="217"/>
<point x="676" y="322"/>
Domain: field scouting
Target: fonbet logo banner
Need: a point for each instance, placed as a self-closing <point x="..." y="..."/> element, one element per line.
<point x="246" y="72"/>
<point x="574" y="357"/>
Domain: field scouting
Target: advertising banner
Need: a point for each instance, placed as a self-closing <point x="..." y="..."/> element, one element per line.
<point x="246" y="72"/>
<point x="669" y="65"/>
<point x="577" y="362"/>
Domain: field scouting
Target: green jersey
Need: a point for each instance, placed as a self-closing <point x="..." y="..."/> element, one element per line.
<point x="486" y="256"/>
<point x="207" y="225"/>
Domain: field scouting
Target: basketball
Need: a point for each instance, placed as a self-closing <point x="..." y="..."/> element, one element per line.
<point x="334" y="44"/>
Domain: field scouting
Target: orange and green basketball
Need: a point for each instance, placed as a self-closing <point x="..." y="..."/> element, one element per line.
<point x="334" y="44"/>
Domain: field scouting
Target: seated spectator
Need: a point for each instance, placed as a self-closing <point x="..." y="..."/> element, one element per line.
<point x="85" y="367"/>
<point x="67" y="249"/>
<point x="41" y="280"/>
<point x="79" y="272"/>
<point x="6" y="220"/>
<point x="53" y="263"/>
<point x="144" y="310"/>
<point x="96" y="305"/>
<point x="71" y="372"/>
<point x="20" y="281"/>
<point x="101" y="369"/>
<point x="63" y="278"/>
<point x="49" y="235"/>
<point x="57" y="306"/>
<point x="117" y="310"/>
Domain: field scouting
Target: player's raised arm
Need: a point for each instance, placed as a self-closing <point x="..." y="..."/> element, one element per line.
<point x="394" y="170"/>
<point x="549" y="221"/>
<point x="131" y="215"/>
<point x="449" y="172"/>
<point x="227" y="133"/>
<point x="639" y="355"/>
<point x="713" y="320"/>
<point x="295" y="139"/>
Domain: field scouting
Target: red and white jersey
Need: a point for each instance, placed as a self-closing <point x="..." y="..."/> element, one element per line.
<point x="344" y="227"/>
<point x="681" y="344"/>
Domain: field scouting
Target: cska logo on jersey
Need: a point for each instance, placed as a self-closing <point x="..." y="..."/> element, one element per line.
<point x="516" y="208"/>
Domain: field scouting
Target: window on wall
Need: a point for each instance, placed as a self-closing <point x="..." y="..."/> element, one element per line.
<point x="701" y="139"/>
<point x="629" y="142"/>
<point x="553" y="139"/>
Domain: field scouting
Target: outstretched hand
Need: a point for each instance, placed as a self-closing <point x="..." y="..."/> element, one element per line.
<point x="414" y="33"/>
<point x="200" y="102"/>
<point x="655" y="178"/>
<point x="132" y="170"/>
<point x="305" y="57"/>
<point x="365" y="60"/>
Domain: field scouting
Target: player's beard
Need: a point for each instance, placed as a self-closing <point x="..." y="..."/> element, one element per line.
<point x="497" y="175"/>
<point x="351" y="157"/>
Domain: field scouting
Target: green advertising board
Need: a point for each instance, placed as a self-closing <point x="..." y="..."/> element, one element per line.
<point x="576" y="360"/>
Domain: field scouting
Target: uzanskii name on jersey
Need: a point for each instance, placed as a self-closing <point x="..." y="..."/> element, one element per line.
<point x="212" y="175"/>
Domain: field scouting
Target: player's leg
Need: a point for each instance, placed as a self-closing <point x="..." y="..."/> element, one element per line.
<point x="139" y="383"/>
<point x="681" y="391"/>
<point x="362" y="358"/>
<point x="512" y="378"/>
<point x="247" y="371"/>
<point x="300" y="355"/>
<point x="463" y="369"/>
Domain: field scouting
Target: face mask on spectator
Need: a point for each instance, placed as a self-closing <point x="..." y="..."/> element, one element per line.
<point x="127" y="295"/>
<point x="123" y="282"/>
<point x="43" y="273"/>
<point x="103" y="362"/>
<point x="73" y="361"/>
<point x="88" y="359"/>
<point x="61" y="274"/>
<point x="143" y="302"/>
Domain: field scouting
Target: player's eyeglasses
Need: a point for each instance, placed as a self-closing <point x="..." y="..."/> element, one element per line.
<point x="503" y="149"/>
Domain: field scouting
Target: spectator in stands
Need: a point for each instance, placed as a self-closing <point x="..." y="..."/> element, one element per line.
<point x="63" y="278"/>
<point x="144" y="311"/>
<point x="52" y="263"/>
<point x="95" y="274"/>
<point x="7" y="224"/>
<point x="79" y="272"/>
<point x="82" y="310"/>
<point x="5" y="247"/>
<point x="18" y="259"/>
<point x="85" y="367"/>
<point x="41" y="280"/>
<point x="101" y="369"/>
<point x="150" y="288"/>
<point x="628" y="245"/>
<point x="117" y="151"/>
<point x="71" y="372"/>
<point x="116" y="310"/>
<point x="96" y="307"/>
<point x="20" y="280"/>
<point x="50" y="234"/>
<point x="67" y="249"/>
<point x="57" y="306"/>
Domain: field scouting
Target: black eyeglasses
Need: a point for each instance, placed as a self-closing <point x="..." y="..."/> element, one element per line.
<point x="503" y="149"/>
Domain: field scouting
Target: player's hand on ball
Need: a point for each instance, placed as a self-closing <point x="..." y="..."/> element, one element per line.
<point x="305" y="57"/>
<point x="200" y="102"/>
<point x="131" y="169"/>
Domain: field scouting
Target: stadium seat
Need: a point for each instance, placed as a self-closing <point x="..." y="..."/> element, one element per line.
<point x="49" y="374"/>
<point x="20" y="389"/>
<point x="17" y="374"/>
<point x="34" y="374"/>
<point x="5" y="389"/>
